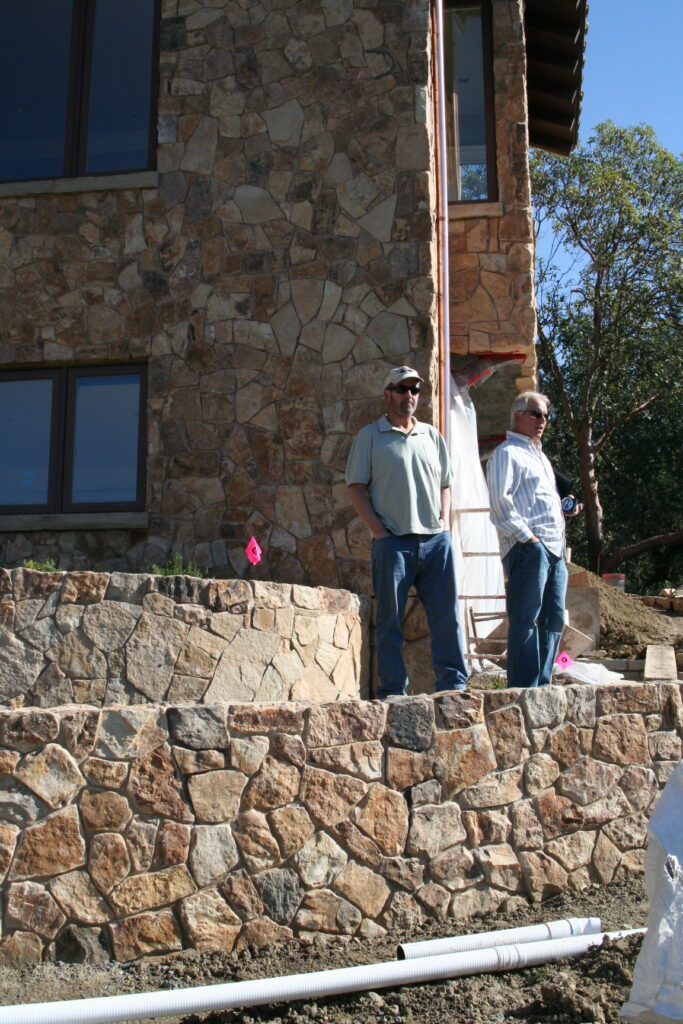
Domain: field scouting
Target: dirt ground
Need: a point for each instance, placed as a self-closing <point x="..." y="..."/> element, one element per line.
<point x="627" y="626"/>
<point x="591" y="988"/>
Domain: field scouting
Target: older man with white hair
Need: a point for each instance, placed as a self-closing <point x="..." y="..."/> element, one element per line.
<point x="527" y="513"/>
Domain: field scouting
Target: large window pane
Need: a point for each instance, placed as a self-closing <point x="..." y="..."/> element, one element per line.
<point x="25" y="419"/>
<point x="120" y="88"/>
<point x="35" y="40"/>
<point x="466" y="104"/>
<point x="105" y="456"/>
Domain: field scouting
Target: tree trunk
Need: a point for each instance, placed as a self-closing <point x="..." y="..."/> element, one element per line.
<point x="595" y="535"/>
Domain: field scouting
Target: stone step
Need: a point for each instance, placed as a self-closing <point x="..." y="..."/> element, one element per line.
<point x="660" y="662"/>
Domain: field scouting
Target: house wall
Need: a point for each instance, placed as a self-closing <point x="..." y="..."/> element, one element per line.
<point x="133" y="831"/>
<point x="491" y="244"/>
<point x="285" y="257"/>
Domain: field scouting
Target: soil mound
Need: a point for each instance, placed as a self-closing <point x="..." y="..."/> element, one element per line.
<point x="627" y="626"/>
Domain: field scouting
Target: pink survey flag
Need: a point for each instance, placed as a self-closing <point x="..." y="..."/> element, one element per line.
<point x="563" y="660"/>
<point x="253" y="551"/>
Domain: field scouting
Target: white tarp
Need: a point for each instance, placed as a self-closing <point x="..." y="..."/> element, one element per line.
<point x="657" y="990"/>
<point x="480" y="570"/>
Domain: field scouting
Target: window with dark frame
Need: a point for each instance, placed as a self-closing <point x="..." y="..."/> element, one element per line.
<point x="73" y="440"/>
<point x="78" y="80"/>
<point x="470" y="116"/>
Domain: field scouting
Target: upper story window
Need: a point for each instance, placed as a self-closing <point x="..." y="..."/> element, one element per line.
<point x="470" y="121"/>
<point x="78" y="86"/>
<point x="72" y="440"/>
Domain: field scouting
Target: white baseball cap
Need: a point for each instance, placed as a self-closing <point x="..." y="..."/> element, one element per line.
<point x="398" y="374"/>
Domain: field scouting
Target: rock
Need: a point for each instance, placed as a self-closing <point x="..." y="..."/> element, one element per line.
<point x="280" y="891"/>
<point x="172" y="844"/>
<point x="543" y="876"/>
<point x="587" y="780"/>
<point x="30" y="907"/>
<point x="262" y="932"/>
<point x="324" y="911"/>
<point x="402" y="915"/>
<point x="462" y="758"/>
<point x="109" y="861"/>
<point x="621" y="739"/>
<point x="216" y="795"/>
<point x="144" y="892"/>
<point x="151" y="653"/>
<point x="51" y="847"/>
<point x="78" y="898"/>
<point x="26" y="730"/>
<point x="52" y="774"/>
<point x="20" y="666"/>
<point x="366" y="889"/>
<point x="456" y="868"/>
<point x="199" y="728"/>
<point x="127" y="733"/>
<point x="410" y="724"/>
<point x="209" y="922"/>
<point x="336" y="724"/>
<point x="240" y="893"/>
<point x="291" y="826"/>
<point x="145" y="934"/>
<point x="434" y="828"/>
<point x="508" y="735"/>
<point x="556" y="814"/>
<point x="540" y="772"/>
<point x="153" y="788"/>
<point x="274" y="785"/>
<point x="213" y="853"/>
<point x="257" y="846"/>
<point x="329" y="798"/>
<point x="319" y="861"/>
<point x="77" y="945"/>
<point x="104" y="811"/>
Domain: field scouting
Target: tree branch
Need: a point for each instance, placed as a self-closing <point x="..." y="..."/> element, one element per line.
<point x="601" y="441"/>
<point x="624" y="554"/>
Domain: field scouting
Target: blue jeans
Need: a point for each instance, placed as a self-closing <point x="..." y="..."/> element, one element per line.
<point x="535" y="591"/>
<point x="427" y="562"/>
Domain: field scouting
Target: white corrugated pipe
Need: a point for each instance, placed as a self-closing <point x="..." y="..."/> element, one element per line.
<point x="235" y="995"/>
<point x="505" y="937"/>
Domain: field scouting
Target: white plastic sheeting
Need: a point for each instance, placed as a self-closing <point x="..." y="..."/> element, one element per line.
<point x="657" y="991"/>
<point x="480" y="570"/>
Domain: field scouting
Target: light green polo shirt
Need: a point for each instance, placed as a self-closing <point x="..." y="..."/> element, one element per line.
<point x="404" y="474"/>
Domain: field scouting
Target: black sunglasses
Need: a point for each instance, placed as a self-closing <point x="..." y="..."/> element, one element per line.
<point x="403" y="389"/>
<point x="537" y="414"/>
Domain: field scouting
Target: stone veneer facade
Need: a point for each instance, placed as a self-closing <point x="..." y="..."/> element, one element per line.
<point x="101" y="639"/>
<point x="284" y="257"/>
<point x="142" y="830"/>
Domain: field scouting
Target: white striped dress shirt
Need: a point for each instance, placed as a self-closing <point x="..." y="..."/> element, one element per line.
<point x="523" y="495"/>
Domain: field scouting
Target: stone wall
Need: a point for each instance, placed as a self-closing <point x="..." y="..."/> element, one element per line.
<point x="142" y="830"/>
<point x="283" y="260"/>
<point x="103" y="639"/>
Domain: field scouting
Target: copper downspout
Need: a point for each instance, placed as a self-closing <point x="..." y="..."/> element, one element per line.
<point x="442" y="232"/>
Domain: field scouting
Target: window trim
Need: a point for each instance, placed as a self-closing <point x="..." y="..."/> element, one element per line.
<point x="489" y="98"/>
<point x="78" y="99"/>
<point x="62" y="423"/>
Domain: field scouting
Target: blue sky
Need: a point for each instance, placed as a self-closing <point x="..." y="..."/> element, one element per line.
<point x="633" y="70"/>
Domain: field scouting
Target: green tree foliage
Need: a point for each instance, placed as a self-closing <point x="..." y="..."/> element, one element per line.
<point x="610" y="305"/>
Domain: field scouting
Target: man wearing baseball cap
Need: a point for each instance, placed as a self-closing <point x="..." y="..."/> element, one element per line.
<point x="399" y="478"/>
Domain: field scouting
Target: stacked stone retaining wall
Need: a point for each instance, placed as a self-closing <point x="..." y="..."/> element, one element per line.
<point x="130" y="831"/>
<point x="119" y="638"/>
